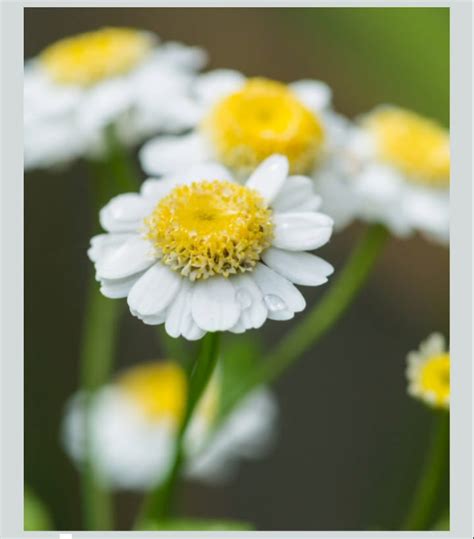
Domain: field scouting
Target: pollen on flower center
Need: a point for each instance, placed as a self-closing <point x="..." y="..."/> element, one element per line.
<point x="435" y="378"/>
<point x="416" y="145"/>
<point x="263" y="118"/>
<point x="88" y="58"/>
<point x="210" y="228"/>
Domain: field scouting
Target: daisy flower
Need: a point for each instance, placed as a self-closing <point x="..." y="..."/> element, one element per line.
<point x="428" y="372"/>
<point x="79" y="85"/>
<point x="397" y="174"/>
<point x="245" y="120"/>
<point x="201" y="253"/>
<point x="134" y="422"/>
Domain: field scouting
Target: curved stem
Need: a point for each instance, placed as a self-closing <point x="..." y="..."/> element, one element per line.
<point x="158" y="504"/>
<point x="423" y="508"/>
<point x="111" y="176"/>
<point x="321" y="318"/>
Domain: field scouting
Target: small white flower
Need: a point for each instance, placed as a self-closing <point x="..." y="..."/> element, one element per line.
<point x="396" y="173"/>
<point x="245" y="120"/>
<point x="134" y="423"/>
<point x="428" y="372"/>
<point x="79" y="85"/>
<point x="201" y="253"/>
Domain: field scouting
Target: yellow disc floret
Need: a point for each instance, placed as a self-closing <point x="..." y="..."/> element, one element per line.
<point x="210" y="228"/>
<point x="263" y="118"/>
<point x="416" y="145"/>
<point x="158" y="388"/>
<point x="88" y="58"/>
<point x="434" y="380"/>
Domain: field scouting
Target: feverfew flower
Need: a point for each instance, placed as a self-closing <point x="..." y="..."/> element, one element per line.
<point x="134" y="422"/>
<point x="428" y="372"/>
<point x="397" y="173"/>
<point x="81" y="84"/>
<point x="201" y="253"/>
<point x="245" y="120"/>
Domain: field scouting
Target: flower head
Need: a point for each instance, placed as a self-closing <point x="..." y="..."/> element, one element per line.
<point x="135" y="420"/>
<point x="396" y="173"/>
<point x="199" y="252"/>
<point x="244" y="121"/>
<point x="79" y="85"/>
<point x="428" y="372"/>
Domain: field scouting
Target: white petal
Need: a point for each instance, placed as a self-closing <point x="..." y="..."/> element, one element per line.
<point x="102" y="244"/>
<point x="154" y="291"/>
<point x="269" y="177"/>
<point x="155" y="190"/>
<point x="281" y="315"/>
<point x="164" y="155"/>
<point x="179" y="320"/>
<point x="118" y="288"/>
<point x="301" y="231"/>
<point x="254" y="311"/>
<point x="178" y="55"/>
<point x="217" y="84"/>
<point x="278" y="293"/>
<point x="214" y="305"/>
<point x="314" y="94"/>
<point x="104" y="103"/>
<point x="297" y="194"/>
<point x="300" y="268"/>
<point x="134" y="255"/>
<point x="204" y="171"/>
<point x="125" y="213"/>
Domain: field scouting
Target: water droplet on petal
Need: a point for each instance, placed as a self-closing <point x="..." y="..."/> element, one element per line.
<point x="274" y="303"/>
<point x="244" y="298"/>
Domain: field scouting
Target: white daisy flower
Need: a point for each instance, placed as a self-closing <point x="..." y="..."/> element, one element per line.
<point x="397" y="174"/>
<point x="134" y="423"/>
<point x="201" y="253"/>
<point x="79" y="85"/>
<point x="245" y="120"/>
<point x="428" y="372"/>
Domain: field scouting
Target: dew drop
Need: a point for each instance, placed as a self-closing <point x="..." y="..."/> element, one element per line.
<point x="274" y="303"/>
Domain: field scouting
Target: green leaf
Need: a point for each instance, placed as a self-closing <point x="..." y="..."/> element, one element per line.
<point x="36" y="516"/>
<point x="191" y="524"/>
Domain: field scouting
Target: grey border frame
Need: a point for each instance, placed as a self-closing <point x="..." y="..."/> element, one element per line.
<point x="11" y="268"/>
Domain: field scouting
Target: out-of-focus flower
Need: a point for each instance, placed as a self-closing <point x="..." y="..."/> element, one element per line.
<point x="428" y="372"/>
<point x="135" y="420"/>
<point x="397" y="169"/>
<point x="201" y="253"/>
<point x="81" y="84"/>
<point x="244" y="121"/>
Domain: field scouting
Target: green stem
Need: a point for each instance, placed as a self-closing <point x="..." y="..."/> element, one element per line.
<point x="158" y="504"/>
<point x="111" y="176"/>
<point x="320" y="319"/>
<point x="97" y="355"/>
<point x="423" y="509"/>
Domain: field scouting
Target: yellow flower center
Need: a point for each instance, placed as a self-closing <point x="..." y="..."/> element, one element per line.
<point x="159" y="389"/>
<point x="263" y="118"/>
<point x="416" y="145"/>
<point x="94" y="56"/>
<point x="210" y="228"/>
<point x="435" y="380"/>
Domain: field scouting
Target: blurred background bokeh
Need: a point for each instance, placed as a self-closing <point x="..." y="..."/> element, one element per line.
<point x="351" y="442"/>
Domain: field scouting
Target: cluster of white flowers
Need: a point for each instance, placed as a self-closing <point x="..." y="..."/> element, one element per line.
<point x="247" y="177"/>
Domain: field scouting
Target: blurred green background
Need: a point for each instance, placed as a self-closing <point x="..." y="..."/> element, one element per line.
<point x="351" y="442"/>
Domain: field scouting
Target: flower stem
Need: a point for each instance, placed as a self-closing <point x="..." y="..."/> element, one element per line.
<point x="157" y="505"/>
<point x="111" y="176"/>
<point x="423" y="509"/>
<point x="320" y="319"/>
